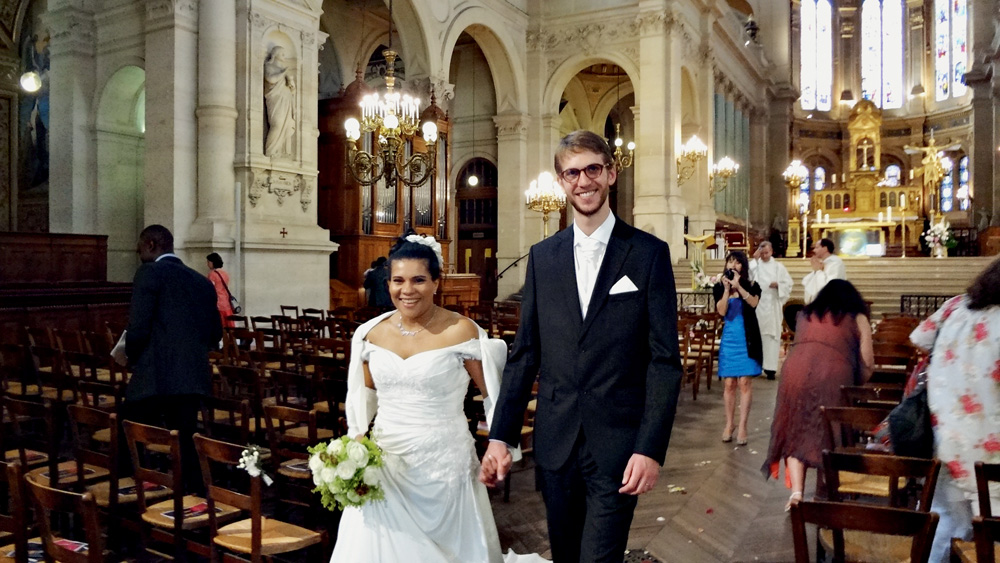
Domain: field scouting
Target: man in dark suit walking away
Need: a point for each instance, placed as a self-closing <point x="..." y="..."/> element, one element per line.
<point x="599" y="329"/>
<point x="173" y="324"/>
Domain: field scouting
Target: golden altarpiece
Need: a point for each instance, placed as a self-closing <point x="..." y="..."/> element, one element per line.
<point x="366" y="220"/>
<point x="866" y="212"/>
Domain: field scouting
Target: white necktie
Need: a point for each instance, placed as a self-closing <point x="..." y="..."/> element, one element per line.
<point x="588" y="259"/>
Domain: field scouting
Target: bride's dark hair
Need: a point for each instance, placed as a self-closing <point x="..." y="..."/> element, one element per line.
<point x="406" y="250"/>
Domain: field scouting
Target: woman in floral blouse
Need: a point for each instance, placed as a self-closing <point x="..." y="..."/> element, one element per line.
<point x="963" y="393"/>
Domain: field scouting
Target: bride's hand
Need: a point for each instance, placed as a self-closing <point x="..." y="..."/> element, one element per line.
<point x="496" y="463"/>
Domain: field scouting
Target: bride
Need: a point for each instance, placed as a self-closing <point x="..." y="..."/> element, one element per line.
<point x="412" y="366"/>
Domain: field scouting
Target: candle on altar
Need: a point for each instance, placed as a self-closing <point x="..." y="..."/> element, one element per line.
<point x="819" y="215"/>
<point x="911" y="173"/>
<point x="902" y="201"/>
<point x="881" y="217"/>
<point x="834" y="178"/>
<point x="826" y="218"/>
<point x="889" y="214"/>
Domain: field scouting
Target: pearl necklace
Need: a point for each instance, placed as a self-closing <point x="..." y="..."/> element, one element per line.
<point x="405" y="332"/>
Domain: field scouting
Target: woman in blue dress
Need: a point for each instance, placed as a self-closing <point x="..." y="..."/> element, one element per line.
<point x="740" y="351"/>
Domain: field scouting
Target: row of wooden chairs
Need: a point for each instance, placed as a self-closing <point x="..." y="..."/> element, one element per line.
<point x="699" y="345"/>
<point x="157" y="508"/>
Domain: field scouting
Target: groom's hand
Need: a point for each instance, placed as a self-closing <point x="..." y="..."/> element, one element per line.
<point x="640" y="476"/>
<point x="496" y="464"/>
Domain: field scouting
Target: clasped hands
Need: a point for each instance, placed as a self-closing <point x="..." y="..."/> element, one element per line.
<point x="640" y="474"/>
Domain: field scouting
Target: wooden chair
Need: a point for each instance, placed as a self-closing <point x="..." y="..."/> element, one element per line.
<point x="15" y="526"/>
<point x="245" y="382"/>
<point x="227" y="419"/>
<point x="896" y="471"/>
<point x="840" y="518"/>
<point x="313" y="313"/>
<point x="289" y="432"/>
<point x="855" y="427"/>
<point x="871" y="396"/>
<point x="255" y="536"/>
<point x="968" y="551"/>
<point x="293" y="389"/>
<point x="48" y="500"/>
<point x="238" y="321"/>
<point x="38" y="427"/>
<point x="986" y="534"/>
<point x="167" y="521"/>
<point x="18" y="373"/>
<point x="290" y="311"/>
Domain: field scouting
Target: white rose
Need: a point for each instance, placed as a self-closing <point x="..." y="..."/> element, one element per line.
<point x="328" y="474"/>
<point x="372" y="477"/>
<point x="353" y="497"/>
<point x="357" y="453"/>
<point x="335" y="447"/>
<point x="315" y="464"/>
<point x="317" y="479"/>
<point x="346" y="469"/>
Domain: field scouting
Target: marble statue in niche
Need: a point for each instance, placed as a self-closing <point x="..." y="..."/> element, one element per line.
<point x="279" y="99"/>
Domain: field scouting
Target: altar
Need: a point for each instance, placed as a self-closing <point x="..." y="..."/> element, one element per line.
<point x="857" y="238"/>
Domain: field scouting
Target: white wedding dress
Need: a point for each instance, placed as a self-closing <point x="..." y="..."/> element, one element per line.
<point x="435" y="508"/>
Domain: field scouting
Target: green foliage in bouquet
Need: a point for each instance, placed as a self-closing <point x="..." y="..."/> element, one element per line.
<point x="346" y="472"/>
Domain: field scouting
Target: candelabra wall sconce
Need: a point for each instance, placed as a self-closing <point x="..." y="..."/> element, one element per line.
<point x="722" y="171"/>
<point x="544" y="196"/>
<point x="691" y="153"/>
<point x="795" y="175"/>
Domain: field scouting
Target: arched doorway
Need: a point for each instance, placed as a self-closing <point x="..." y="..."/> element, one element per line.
<point x="476" y="200"/>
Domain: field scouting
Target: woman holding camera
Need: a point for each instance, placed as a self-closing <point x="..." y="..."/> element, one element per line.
<point x="740" y="350"/>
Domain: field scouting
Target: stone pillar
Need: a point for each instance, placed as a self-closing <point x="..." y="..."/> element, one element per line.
<point x="277" y="219"/>
<point x="779" y="141"/>
<point x="760" y="207"/>
<point x="984" y="143"/>
<point x="170" y="171"/>
<point x="659" y="207"/>
<point x="72" y="142"/>
<point x="216" y="117"/>
<point x="512" y="158"/>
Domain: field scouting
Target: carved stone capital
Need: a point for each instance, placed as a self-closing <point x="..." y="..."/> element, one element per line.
<point x="655" y="23"/>
<point x="511" y="125"/>
<point x="71" y="30"/>
<point x="159" y="11"/>
<point x="305" y="196"/>
<point x="260" y="185"/>
<point x="586" y="37"/>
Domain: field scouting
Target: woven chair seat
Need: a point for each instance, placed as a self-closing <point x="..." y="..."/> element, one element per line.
<point x="276" y="536"/>
<point x="159" y="513"/>
<point x="965" y="551"/>
<point x="868" y="547"/>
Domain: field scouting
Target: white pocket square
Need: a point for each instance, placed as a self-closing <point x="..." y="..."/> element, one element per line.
<point x="623" y="285"/>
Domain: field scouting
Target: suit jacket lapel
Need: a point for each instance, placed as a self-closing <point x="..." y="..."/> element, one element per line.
<point x="565" y="277"/>
<point x="614" y="258"/>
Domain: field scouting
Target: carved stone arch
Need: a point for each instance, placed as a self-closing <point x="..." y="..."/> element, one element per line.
<point x="576" y="98"/>
<point x="610" y="100"/>
<point x="122" y="87"/>
<point x="461" y="159"/>
<point x="107" y="73"/>
<point x="692" y="120"/>
<point x="830" y="158"/>
<point x="508" y="71"/>
<point x="565" y="71"/>
<point x="414" y="45"/>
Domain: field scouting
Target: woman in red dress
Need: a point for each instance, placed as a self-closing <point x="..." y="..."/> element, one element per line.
<point x="220" y="279"/>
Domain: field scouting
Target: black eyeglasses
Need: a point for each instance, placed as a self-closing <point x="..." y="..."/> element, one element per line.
<point x="572" y="175"/>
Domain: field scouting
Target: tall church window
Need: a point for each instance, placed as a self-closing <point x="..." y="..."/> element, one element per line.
<point x="951" y="35"/>
<point x="892" y="174"/>
<point x="963" y="184"/>
<point x="947" y="187"/>
<point x="882" y="52"/>
<point x="816" y="55"/>
<point x="819" y="179"/>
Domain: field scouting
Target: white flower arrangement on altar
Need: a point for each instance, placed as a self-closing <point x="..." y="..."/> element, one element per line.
<point x="346" y="472"/>
<point x="250" y="462"/>
<point x="701" y="279"/>
<point x="940" y="234"/>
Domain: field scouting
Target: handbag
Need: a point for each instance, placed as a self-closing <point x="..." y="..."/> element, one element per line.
<point x="234" y="304"/>
<point x="910" y="429"/>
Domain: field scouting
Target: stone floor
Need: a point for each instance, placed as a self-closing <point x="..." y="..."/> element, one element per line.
<point x="711" y="502"/>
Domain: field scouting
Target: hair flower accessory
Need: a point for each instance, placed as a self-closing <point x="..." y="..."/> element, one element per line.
<point x="428" y="241"/>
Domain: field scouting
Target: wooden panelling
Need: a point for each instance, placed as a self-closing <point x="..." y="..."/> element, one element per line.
<point x="52" y="258"/>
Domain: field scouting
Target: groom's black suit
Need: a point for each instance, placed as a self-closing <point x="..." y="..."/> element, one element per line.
<point x="607" y="383"/>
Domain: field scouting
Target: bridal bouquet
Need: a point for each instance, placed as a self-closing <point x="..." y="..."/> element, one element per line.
<point x="346" y="472"/>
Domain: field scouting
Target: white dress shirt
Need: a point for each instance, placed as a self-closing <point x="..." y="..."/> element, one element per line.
<point x="588" y="253"/>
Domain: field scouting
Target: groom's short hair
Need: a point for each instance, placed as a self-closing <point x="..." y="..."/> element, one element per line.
<point x="583" y="141"/>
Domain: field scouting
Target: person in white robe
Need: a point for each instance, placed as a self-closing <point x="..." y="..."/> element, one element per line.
<point x="826" y="266"/>
<point x="776" y="284"/>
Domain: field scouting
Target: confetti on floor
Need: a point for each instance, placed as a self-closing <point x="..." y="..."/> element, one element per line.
<point x="639" y="556"/>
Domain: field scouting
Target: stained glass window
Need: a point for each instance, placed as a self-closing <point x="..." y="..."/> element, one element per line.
<point x="963" y="184"/>
<point x="882" y="52"/>
<point x="819" y="178"/>
<point x="816" y="55"/>
<point x="947" y="187"/>
<point x="892" y="174"/>
<point x="951" y="35"/>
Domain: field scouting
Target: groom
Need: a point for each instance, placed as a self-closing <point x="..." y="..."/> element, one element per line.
<point x="599" y="329"/>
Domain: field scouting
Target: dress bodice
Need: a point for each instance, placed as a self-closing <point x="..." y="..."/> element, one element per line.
<point x="734" y="308"/>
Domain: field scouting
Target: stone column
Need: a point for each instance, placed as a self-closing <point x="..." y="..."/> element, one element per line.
<point x="779" y="141"/>
<point x="171" y="134"/>
<point x="984" y="143"/>
<point x="659" y="207"/>
<point x="72" y="142"/>
<point x="760" y="205"/>
<point x="216" y="117"/>
<point x="512" y="159"/>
